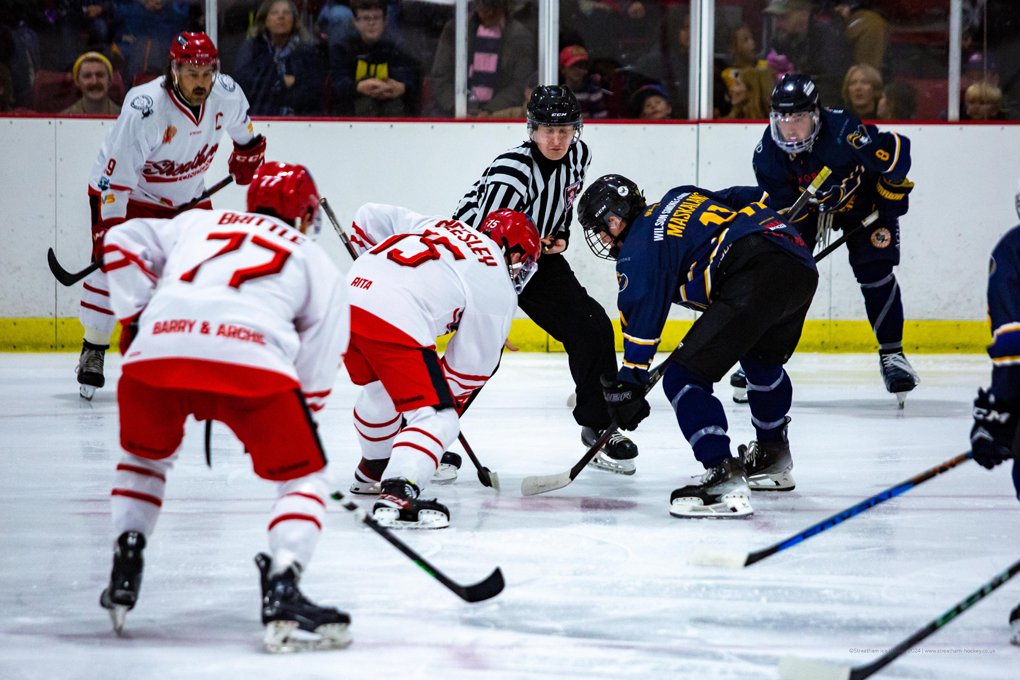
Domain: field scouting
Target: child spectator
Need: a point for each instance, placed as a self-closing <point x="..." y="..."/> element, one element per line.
<point x="898" y="101"/>
<point x="983" y="101"/>
<point x="651" y="102"/>
<point x="587" y="88"/>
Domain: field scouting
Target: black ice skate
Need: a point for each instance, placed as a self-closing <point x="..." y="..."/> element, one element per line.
<point x="899" y="376"/>
<point x="399" y="507"/>
<point x="125" y="578"/>
<point x="1014" y="625"/>
<point x="446" y="473"/>
<point x="721" y="493"/>
<point x="738" y="381"/>
<point x="90" y="368"/>
<point x="768" y="464"/>
<point x="616" y="456"/>
<point x="293" y="624"/>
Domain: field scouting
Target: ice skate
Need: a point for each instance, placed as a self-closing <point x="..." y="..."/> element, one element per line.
<point x="293" y="624"/>
<point x="899" y="376"/>
<point x="90" y="369"/>
<point x="1014" y="626"/>
<point x="738" y="381"/>
<point x="768" y="464"/>
<point x="446" y="473"/>
<point x="399" y="507"/>
<point x="721" y="492"/>
<point x="616" y="456"/>
<point x="125" y="578"/>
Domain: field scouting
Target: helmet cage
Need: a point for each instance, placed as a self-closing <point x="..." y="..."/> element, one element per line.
<point x="607" y="196"/>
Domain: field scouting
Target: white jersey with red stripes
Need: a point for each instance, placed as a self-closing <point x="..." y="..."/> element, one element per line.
<point x="231" y="288"/>
<point x="158" y="150"/>
<point x="428" y="276"/>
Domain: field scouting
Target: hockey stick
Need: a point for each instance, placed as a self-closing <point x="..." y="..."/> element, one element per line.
<point x="67" y="278"/>
<point x="488" y="587"/>
<point x="537" y="484"/>
<point x="486" y="476"/>
<point x="866" y="222"/>
<point x="794" y="668"/>
<point x="747" y="559"/>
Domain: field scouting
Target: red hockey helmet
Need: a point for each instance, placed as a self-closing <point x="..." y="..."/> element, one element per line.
<point x="286" y="191"/>
<point x="516" y="234"/>
<point x="194" y="48"/>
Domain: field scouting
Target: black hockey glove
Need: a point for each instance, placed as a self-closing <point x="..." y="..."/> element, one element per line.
<point x="892" y="199"/>
<point x="994" y="431"/>
<point x="626" y="401"/>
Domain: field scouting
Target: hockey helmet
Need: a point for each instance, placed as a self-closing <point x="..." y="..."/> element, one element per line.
<point x="194" y="48"/>
<point x="794" y="101"/>
<point x="286" y="191"/>
<point x="554" y="105"/>
<point x="514" y="232"/>
<point x="608" y="195"/>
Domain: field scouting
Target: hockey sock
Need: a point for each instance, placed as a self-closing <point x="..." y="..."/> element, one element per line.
<point x="769" y="396"/>
<point x="700" y="415"/>
<point x="137" y="494"/>
<point x="377" y="422"/>
<point x="419" y="446"/>
<point x="296" y="522"/>
<point x="883" y="303"/>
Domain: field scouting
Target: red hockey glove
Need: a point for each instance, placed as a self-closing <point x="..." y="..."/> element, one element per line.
<point x="246" y="159"/>
<point x="99" y="232"/>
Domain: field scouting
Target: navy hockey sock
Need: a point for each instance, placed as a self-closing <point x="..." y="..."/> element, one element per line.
<point x="769" y="396"/>
<point x="884" y="305"/>
<point x="699" y="414"/>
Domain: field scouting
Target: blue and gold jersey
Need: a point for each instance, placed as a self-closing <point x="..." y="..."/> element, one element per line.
<point x="672" y="253"/>
<point x="1004" y="316"/>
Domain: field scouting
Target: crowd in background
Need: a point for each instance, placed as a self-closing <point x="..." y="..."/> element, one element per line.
<point x="880" y="59"/>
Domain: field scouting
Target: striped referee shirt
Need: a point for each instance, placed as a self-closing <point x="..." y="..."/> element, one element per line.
<point x="522" y="179"/>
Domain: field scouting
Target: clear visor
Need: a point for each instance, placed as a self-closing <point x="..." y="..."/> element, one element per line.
<point x="521" y="273"/>
<point x="794" y="132"/>
<point x="315" y="227"/>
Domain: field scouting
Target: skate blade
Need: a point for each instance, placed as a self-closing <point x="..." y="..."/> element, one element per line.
<point x="427" y="519"/>
<point x="365" y="488"/>
<point x="740" y="395"/>
<point x="86" y="391"/>
<point x="118" y="614"/>
<point x="782" y="481"/>
<point x="285" y="637"/>
<point x="901" y="399"/>
<point x="1015" y="640"/>
<point x="445" y="474"/>
<point x="603" y="462"/>
<point x="728" y="507"/>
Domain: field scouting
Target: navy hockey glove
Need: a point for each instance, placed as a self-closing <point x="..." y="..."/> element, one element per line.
<point x="626" y="401"/>
<point x="892" y="198"/>
<point x="994" y="431"/>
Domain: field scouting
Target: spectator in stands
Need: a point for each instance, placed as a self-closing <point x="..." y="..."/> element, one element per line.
<point x="867" y="31"/>
<point x="755" y="73"/>
<point x="637" y="28"/>
<point x="149" y="26"/>
<point x="520" y="110"/>
<point x="983" y="101"/>
<point x="806" y="44"/>
<point x="501" y="56"/>
<point x="335" y="22"/>
<point x="21" y="51"/>
<point x="745" y="100"/>
<point x="670" y="64"/>
<point x="587" y="87"/>
<point x="651" y="102"/>
<point x="1003" y="34"/>
<point x="862" y="88"/>
<point x="371" y="75"/>
<point x="898" y="101"/>
<point x="279" y="65"/>
<point x="93" y="74"/>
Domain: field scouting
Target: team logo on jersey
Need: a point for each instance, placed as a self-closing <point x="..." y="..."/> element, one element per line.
<point x="109" y="199"/>
<point x="570" y="193"/>
<point x="227" y="82"/>
<point x="169" y="134"/>
<point x="881" y="238"/>
<point x="859" y="138"/>
<point x="143" y="103"/>
<point x="622" y="281"/>
<point x="104" y="183"/>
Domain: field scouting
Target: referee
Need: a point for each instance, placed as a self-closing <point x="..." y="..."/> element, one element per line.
<point x="541" y="178"/>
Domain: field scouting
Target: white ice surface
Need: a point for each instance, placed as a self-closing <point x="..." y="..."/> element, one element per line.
<point x="598" y="579"/>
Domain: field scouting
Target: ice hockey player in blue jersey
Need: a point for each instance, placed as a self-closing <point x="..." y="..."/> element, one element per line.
<point x="869" y="172"/>
<point x="752" y="277"/>
<point x="993" y="438"/>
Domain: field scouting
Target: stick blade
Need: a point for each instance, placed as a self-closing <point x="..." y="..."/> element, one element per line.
<point x="729" y="559"/>
<point x="493" y="480"/>
<point x="537" y="484"/>
<point x="491" y="586"/>
<point x="796" y="668"/>
<point x="58" y="272"/>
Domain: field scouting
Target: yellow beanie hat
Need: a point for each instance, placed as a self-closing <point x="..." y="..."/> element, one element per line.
<point x="96" y="56"/>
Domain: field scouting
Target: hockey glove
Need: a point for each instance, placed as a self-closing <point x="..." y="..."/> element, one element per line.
<point x="892" y="198"/>
<point x="992" y="437"/>
<point x="626" y="401"/>
<point x="246" y="159"/>
<point x="99" y="230"/>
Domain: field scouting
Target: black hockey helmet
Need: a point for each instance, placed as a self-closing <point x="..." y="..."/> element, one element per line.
<point x="554" y="105"/>
<point x="794" y="94"/>
<point x="608" y="195"/>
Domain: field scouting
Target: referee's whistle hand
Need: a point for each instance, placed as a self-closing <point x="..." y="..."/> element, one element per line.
<point x="551" y="246"/>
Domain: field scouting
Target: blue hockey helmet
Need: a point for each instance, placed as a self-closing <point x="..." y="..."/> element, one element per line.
<point x="795" y="118"/>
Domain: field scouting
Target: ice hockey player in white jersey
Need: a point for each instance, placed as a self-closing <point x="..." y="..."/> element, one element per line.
<point x="241" y="318"/>
<point x="154" y="160"/>
<point x="417" y="279"/>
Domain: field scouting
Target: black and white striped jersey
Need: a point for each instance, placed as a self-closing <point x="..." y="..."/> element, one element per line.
<point x="542" y="189"/>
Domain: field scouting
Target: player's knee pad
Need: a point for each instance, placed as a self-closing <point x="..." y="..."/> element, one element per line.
<point x="769" y="395"/>
<point x="376" y="421"/>
<point x="700" y="415"/>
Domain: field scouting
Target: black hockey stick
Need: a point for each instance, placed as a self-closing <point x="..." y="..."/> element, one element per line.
<point x="489" y="587"/>
<point x="67" y="278"/>
<point x="747" y="559"/>
<point x="537" y="484"/>
<point x="486" y="476"/>
<point x="794" y="668"/>
<point x="866" y="222"/>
